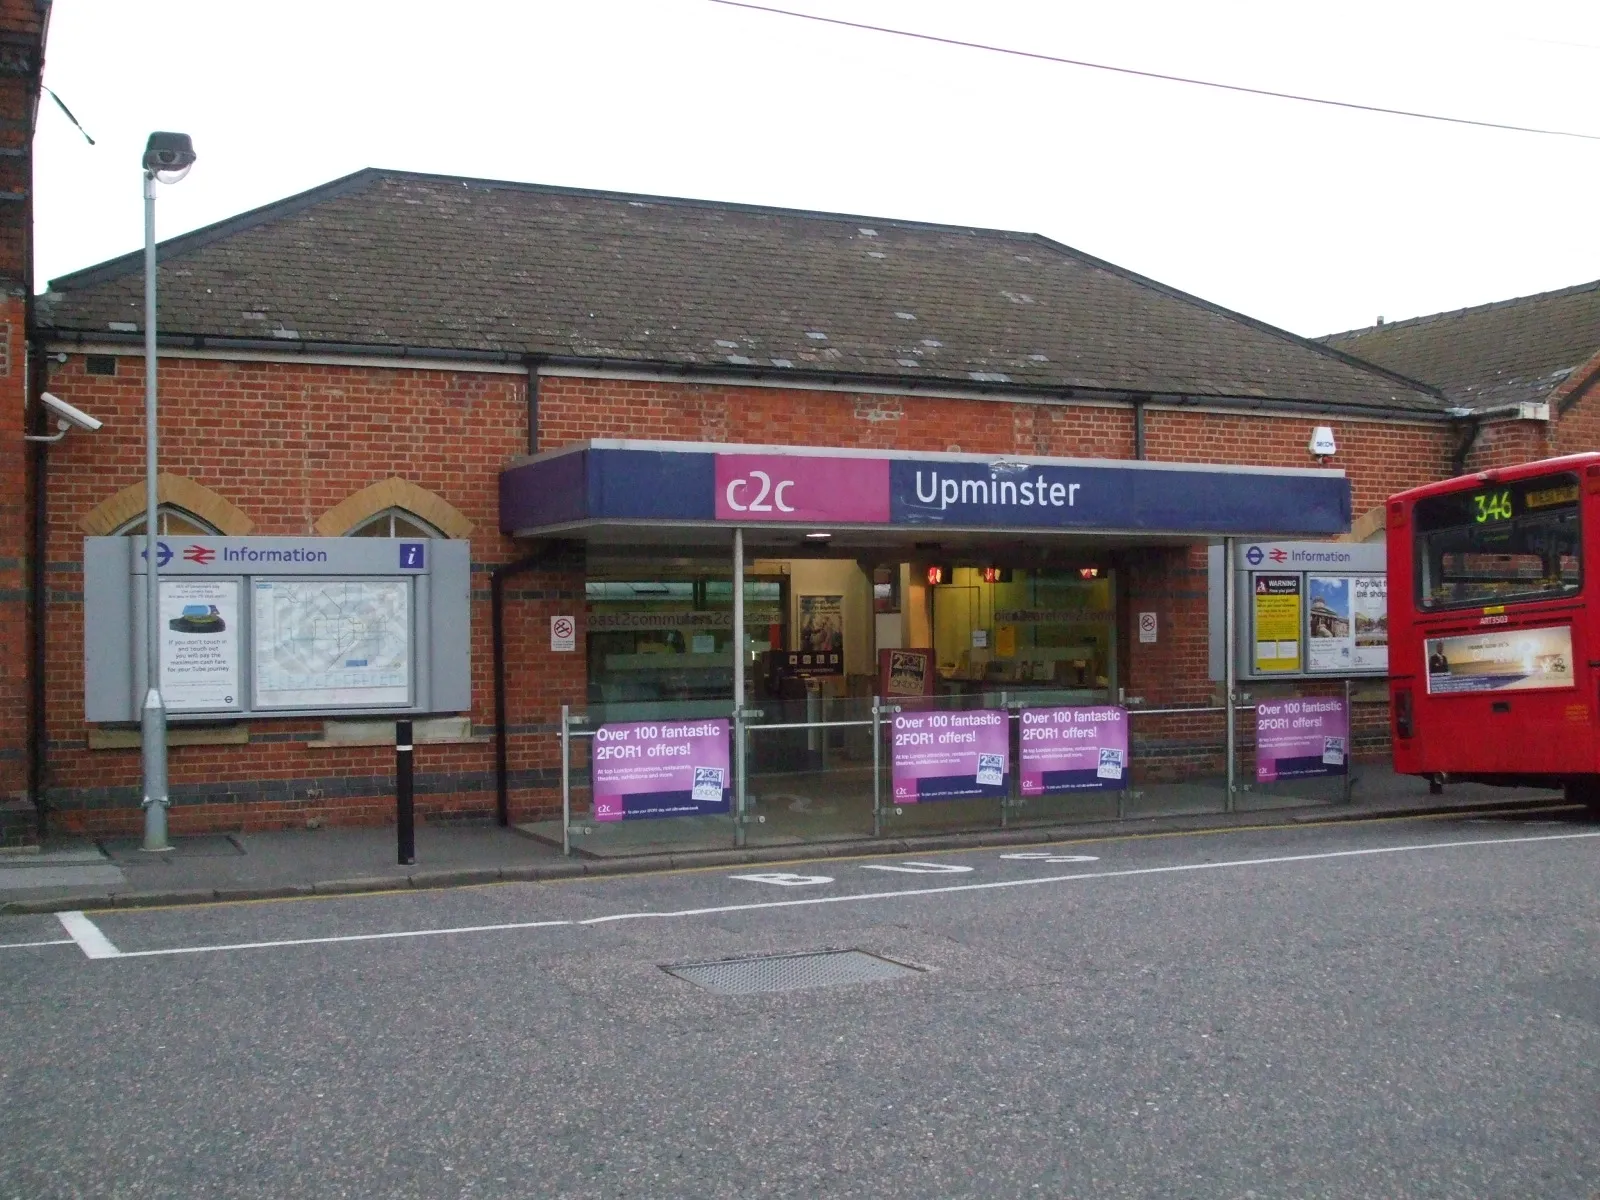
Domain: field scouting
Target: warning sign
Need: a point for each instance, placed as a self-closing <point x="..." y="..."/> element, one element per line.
<point x="563" y="634"/>
<point x="1277" y="622"/>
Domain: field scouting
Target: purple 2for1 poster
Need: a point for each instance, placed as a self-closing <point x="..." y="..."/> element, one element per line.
<point x="1075" y="749"/>
<point x="661" y="769"/>
<point x="950" y="755"/>
<point x="1302" y="738"/>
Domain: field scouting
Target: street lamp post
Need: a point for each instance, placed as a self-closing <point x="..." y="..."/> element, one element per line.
<point x="167" y="159"/>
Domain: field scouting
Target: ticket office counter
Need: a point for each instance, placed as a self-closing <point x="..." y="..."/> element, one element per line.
<point x="657" y="638"/>
<point x="995" y="629"/>
<point x="813" y="627"/>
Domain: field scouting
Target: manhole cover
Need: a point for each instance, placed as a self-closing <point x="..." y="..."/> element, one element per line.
<point x="789" y="972"/>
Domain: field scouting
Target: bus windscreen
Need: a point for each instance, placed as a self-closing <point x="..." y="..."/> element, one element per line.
<point x="1498" y="542"/>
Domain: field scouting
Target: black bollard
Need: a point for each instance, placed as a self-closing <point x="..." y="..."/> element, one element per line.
<point x="404" y="816"/>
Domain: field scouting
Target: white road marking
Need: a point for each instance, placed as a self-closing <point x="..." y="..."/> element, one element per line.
<point x="813" y="900"/>
<point x="784" y="878"/>
<point x="1040" y="856"/>
<point x="348" y="937"/>
<point x="1083" y="875"/>
<point x="26" y="945"/>
<point x="918" y="868"/>
<point x="86" y="933"/>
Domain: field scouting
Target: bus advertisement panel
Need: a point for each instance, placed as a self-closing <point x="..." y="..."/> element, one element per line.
<point x="1509" y="660"/>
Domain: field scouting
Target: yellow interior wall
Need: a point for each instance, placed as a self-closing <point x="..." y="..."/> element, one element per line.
<point x="914" y="607"/>
<point x="837" y="577"/>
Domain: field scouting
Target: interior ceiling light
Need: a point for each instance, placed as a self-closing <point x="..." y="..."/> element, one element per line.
<point x="818" y="536"/>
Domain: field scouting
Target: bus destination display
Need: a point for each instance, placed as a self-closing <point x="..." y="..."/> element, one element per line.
<point x="1517" y="541"/>
<point x="1498" y="504"/>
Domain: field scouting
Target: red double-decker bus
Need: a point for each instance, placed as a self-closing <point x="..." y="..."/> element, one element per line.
<point x="1494" y="627"/>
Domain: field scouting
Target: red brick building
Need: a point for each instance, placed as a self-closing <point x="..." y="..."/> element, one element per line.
<point x="369" y="357"/>
<point x="22" y="36"/>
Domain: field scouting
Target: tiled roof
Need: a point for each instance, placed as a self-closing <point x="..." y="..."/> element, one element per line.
<point x="385" y="259"/>
<point x="1502" y="353"/>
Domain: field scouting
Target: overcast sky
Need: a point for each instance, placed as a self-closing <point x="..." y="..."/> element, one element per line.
<point x="1313" y="218"/>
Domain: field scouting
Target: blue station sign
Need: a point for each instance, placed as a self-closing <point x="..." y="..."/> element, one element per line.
<point x="811" y="487"/>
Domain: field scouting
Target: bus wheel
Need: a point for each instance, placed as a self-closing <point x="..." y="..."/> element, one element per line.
<point x="1585" y="791"/>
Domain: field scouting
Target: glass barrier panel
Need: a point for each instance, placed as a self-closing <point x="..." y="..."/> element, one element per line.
<point x="808" y="781"/>
<point x="947" y="763"/>
<point x="1294" y="751"/>
<point x="1103" y="762"/>
<point x="652" y="778"/>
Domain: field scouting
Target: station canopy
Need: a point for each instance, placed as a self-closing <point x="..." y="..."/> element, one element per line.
<point x="626" y="492"/>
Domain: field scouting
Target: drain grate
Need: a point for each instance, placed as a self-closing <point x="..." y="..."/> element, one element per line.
<point x="789" y="972"/>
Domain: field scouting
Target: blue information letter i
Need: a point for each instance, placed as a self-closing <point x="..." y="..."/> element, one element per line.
<point x="411" y="555"/>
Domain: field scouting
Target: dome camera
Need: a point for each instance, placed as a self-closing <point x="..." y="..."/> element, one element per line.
<point x="168" y="156"/>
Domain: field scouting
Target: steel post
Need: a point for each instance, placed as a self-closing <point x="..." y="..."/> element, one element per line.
<point x="566" y="779"/>
<point x="153" y="717"/>
<point x="404" y="810"/>
<point x="738" y="689"/>
<point x="1230" y="657"/>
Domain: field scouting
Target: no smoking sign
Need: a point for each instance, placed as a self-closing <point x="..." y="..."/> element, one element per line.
<point x="1147" y="627"/>
<point x="563" y="634"/>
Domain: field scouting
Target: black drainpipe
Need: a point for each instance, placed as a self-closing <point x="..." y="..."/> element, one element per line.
<point x="1469" y="438"/>
<point x="497" y="606"/>
<point x="532" y="363"/>
<point x="38" y="735"/>
<point x="1138" y="425"/>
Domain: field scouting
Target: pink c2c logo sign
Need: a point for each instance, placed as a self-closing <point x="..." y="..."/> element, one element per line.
<point x="801" y="488"/>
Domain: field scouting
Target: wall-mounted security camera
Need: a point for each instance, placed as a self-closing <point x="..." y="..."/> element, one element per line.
<point x="73" y="416"/>
<point x="67" y="417"/>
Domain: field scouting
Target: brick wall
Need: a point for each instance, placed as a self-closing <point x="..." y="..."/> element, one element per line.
<point x="287" y="442"/>
<point x="21" y="61"/>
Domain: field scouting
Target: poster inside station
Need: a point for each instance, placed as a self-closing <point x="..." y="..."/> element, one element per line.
<point x="1511" y="660"/>
<point x="950" y="755"/>
<point x="1276" y="625"/>
<point x="1301" y="738"/>
<point x="1073" y="749"/>
<point x="200" y="644"/>
<point x="822" y="635"/>
<point x="645" y="769"/>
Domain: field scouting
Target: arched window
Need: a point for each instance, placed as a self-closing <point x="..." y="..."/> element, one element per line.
<point x="393" y="523"/>
<point x="393" y="507"/>
<point x="171" y="521"/>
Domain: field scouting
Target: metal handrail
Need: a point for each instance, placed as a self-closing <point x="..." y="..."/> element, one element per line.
<point x="811" y="725"/>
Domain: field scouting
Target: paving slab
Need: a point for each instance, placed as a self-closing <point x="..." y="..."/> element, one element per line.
<point x="78" y="873"/>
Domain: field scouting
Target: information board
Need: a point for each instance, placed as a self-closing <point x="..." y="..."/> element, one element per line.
<point x="332" y="643"/>
<point x="280" y="626"/>
<point x="1304" y="609"/>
